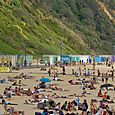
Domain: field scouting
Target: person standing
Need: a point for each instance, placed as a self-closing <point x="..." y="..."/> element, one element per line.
<point x="88" y="72"/>
<point x="102" y="78"/>
<point x="5" y="63"/>
<point x="98" y="73"/>
<point x="78" y="101"/>
<point x="112" y="73"/>
<point x="63" y="70"/>
<point x="73" y="72"/>
<point x="80" y="71"/>
<point x="93" y="65"/>
<point x="49" y="72"/>
<point x="84" y="107"/>
<point x="85" y="72"/>
<point x="107" y="62"/>
<point x="92" y="107"/>
<point x="106" y="78"/>
<point x="69" y="106"/>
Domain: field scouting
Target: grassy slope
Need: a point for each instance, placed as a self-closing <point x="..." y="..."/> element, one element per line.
<point x="87" y="17"/>
<point x="34" y="25"/>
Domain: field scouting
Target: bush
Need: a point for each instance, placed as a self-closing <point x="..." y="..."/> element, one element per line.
<point x="1" y="2"/>
<point x="16" y="2"/>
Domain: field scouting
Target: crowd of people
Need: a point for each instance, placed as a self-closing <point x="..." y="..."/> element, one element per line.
<point x="47" y="103"/>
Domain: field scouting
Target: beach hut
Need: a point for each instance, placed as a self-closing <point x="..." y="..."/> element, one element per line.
<point x="113" y="58"/>
<point x="16" y="60"/>
<point x="83" y="58"/>
<point x="65" y="59"/>
<point x="52" y="59"/>
<point x="98" y="59"/>
<point x="29" y="59"/>
<point x="103" y="58"/>
<point x="46" y="59"/>
<point x="74" y="58"/>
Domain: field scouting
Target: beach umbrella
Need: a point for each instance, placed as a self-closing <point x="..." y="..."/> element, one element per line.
<point x="45" y="80"/>
<point x="107" y="85"/>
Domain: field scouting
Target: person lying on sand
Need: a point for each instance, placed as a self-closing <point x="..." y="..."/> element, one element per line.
<point x="55" y="96"/>
<point x="28" y="92"/>
<point x="18" y="84"/>
<point x="7" y="103"/>
<point x="10" y="110"/>
<point x="17" y="91"/>
<point x="30" y="102"/>
<point x="79" y="95"/>
<point x="74" y="82"/>
<point x="91" y="86"/>
<point x="37" y="90"/>
<point x="7" y="93"/>
<point x="57" y="79"/>
<point x="53" y="87"/>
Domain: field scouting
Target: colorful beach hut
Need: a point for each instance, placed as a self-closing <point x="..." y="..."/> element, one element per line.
<point x="65" y="59"/>
<point x="74" y="58"/>
<point x="83" y="58"/>
<point x="52" y="59"/>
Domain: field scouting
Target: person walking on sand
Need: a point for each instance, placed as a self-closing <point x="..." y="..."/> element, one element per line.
<point x="98" y="73"/>
<point x="80" y="71"/>
<point x="102" y="78"/>
<point x="10" y="66"/>
<point x="112" y="73"/>
<point x="106" y="78"/>
<point x="73" y="72"/>
<point x="93" y="64"/>
<point x="49" y="72"/>
<point x="63" y="70"/>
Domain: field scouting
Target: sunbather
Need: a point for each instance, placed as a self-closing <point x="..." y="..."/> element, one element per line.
<point x="7" y="103"/>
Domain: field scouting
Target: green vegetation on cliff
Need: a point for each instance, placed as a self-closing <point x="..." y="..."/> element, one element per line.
<point x="43" y="24"/>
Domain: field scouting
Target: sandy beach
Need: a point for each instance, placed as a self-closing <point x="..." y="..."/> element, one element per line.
<point x="72" y="89"/>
